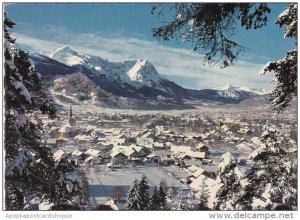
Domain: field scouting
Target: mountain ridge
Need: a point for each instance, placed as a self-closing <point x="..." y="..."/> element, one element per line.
<point x="258" y="91"/>
<point x="136" y="79"/>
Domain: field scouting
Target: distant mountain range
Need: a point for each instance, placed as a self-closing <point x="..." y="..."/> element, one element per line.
<point x="90" y="77"/>
<point x="259" y="91"/>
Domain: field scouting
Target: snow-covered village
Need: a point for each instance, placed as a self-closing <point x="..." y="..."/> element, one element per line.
<point x="185" y="152"/>
<point x="86" y="132"/>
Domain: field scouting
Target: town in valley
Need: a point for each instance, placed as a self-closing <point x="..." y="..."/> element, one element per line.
<point x="178" y="148"/>
<point x="150" y="106"/>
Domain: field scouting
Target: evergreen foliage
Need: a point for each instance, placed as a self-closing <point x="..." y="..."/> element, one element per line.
<point x="286" y="68"/>
<point x="227" y="194"/>
<point x="31" y="173"/>
<point x="144" y="193"/>
<point x="274" y="173"/>
<point x="272" y="180"/>
<point x="162" y="195"/>
<point x="210" y="27"/>
<point x="155" y="200"/>
<point x="204" y="195"/>
<point x="134" y="201"/>
<point x="179" y="202"/>
<point x="139" y="197"/>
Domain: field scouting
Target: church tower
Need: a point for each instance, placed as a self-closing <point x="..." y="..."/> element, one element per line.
<point x="72" y="121"/>
<point x="70" y="112"/>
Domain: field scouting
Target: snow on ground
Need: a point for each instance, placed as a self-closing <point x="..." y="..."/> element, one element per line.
<point x="102" y="183"/>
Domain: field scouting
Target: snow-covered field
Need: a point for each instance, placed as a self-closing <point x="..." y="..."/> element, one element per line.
<point x="102" y="181"/>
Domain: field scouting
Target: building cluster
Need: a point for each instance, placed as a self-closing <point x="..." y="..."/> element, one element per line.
<point x="192" y="142"/>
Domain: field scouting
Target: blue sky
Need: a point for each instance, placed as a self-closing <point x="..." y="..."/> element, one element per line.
<point x="123" y="31"/>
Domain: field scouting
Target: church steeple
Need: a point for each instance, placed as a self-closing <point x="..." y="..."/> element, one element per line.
<point x="71" y="119"/>
<point x="70" y="112"/>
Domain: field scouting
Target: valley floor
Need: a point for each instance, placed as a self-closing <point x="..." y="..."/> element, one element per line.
<point x="190" y="144"/>
<point x="103" y="181"/>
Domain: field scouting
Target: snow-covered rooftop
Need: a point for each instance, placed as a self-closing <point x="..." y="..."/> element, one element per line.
<point x="67" y="128"/>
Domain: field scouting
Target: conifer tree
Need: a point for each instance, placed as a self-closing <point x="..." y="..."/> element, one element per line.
<point x="179" y="202"/>
<point x="227" y="196"/>
<point x="274" y="176"/>
<point x="134" y="201"/>
<point x="155" y="200"/>
<point x="285" y="69"/>
<point x="203" y="198"/>
<point x="272" y="180"/>
<point x="144" y="193"/>
<point x="162" y="195"/>
<point x="30" y="170"/>
<point x="210" y="27"/>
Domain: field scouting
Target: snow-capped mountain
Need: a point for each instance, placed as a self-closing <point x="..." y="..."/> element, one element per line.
<point x="227" y="87"/>
<point x="258" y="91"/>
<point x="136" y="79"/>
<point x="143" y="73"/>
<point x="230" y="88"/>
<point x="67" y="56"/>
<point x="137" y="73"/>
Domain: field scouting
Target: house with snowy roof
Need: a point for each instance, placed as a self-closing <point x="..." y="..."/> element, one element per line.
<point x="244" y="131"/>
<point x="146" y="142"/>
<point x="78" y="156"/>
<point x="81" y="139"/>
<point x="58" y="155"/>
<point x="196" y="171"/>
<point x="158" y="145"/>
<point x="160" y="155"/>
<point x="180" y="148"/>
<point x="118" y="158"/>
<point x="77" y="153"/>
<point x="196" y="154"/>
<point x="92" y="152"/>
<point x="92" y="156"/>
<point x="53" y="131"/>
<point x="146" y="134"/>
<point x="192" y="169"/>
<point x="190" y="162"/>
<point x="165" y="160"/>
<point x="202" y="147"/>
<point x="161" y="137"/>
<point x="67" y="131"/>
<point x="179" y="157"/>
<point x="131" y="153"/>
<point x="141" y="151"/>
<point x="128" y="151"/>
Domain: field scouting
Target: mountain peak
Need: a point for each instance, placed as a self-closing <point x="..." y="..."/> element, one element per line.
<point x="143" y="62"/>
<point x="64" y="49"/>
<point x="143" y="71"/>
<point x="259" y="91"/>
<point x="67" y="55"/>
<point x="228" y="87"/>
